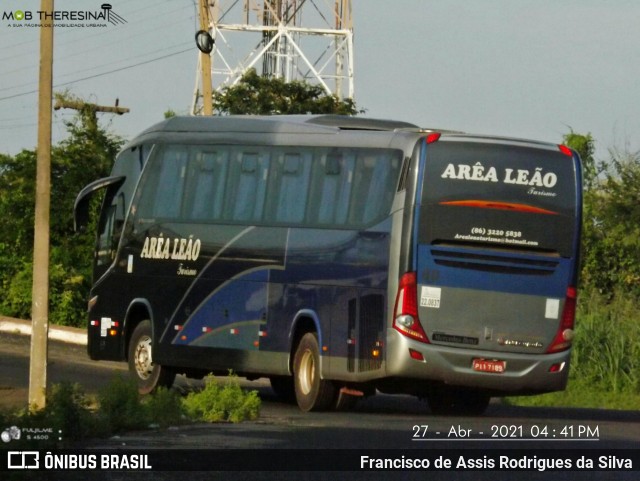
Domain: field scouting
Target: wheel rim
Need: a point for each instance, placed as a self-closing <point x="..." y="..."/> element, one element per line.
<point x="307" y="372"/>
<point x="142" y="358"/>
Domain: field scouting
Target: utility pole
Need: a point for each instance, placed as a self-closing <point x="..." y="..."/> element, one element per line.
<point x="90" y="109"/>
<point x="40" y="288"/>
<point x="80" y="105"/>
<point x="205" y="64"/>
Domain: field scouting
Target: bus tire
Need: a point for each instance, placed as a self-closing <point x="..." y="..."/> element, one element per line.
<point x="456" y="402"/>
<point x="149" y="376"/>
<point x="312" y="393"/>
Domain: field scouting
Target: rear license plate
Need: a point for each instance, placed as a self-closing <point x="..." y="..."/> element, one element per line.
<point x="492" y="366"/>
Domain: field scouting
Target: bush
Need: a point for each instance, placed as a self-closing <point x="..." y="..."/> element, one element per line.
<point x="164" y="408"/>
<point x="223" y="403"/>
<point x="120" y="406"/>
<point x="68" y="411"/>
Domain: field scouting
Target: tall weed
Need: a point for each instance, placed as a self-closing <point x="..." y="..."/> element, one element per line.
<point x="606" y="351"/>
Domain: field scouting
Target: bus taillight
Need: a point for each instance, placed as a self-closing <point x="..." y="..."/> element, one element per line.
<point x="565" y="333"/>
<point x="565" y="150"/>
<point x="406" y="319"/>
<point x="433" y="137"/>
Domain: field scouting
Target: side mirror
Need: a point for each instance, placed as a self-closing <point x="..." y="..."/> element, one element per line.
<point x="81" y="205"/>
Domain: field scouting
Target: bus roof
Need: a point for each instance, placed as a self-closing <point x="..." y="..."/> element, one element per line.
<point x="275" y="124"/>
<point x="308" y="124"/>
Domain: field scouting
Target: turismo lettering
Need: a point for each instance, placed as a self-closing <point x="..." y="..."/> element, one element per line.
<point x="478" y="172"/>
<point x="175" y="249"/>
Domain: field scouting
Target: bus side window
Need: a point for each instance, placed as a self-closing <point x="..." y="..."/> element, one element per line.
<point x="206" y="185"/>
<point x="170" y="184"/>
<point x="330" y="202"/>
<point x="375" y="176"/>
<point x="290" y="186"/>
<point x="247" y="186"/>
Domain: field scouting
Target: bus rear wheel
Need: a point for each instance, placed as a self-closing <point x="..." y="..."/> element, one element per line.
<point x="149" y="376"/>
<point x="312" y="393"/>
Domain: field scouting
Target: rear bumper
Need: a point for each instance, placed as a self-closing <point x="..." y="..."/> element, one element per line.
<point x="524" y="374"/>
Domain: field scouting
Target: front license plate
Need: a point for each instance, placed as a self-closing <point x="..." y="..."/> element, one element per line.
<point x="492" y="366"/>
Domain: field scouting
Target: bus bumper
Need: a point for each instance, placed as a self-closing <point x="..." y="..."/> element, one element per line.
<point x="523" y="374"/>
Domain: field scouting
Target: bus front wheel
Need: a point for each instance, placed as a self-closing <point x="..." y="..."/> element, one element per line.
<point x="148" y="375"/>
<point x="312" y="393"/>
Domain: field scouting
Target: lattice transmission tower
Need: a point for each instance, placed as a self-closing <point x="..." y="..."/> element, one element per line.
<point x="309" y="40"/>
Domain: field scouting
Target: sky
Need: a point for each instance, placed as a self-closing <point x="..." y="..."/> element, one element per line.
<point x="516" y="68"/>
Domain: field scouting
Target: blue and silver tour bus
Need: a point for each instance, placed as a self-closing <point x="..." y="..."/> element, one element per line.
<point x="338" y="256"/>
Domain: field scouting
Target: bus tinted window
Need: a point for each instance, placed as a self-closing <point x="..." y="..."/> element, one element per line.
<point x="502" y="195"/>
<point x="269" y="185"/>
<point x="290" y="179"/>
<point x="206" y="180"/>
<point x="166" y="185"/>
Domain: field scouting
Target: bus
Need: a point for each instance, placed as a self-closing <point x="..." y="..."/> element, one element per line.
<point x="339" y="257"/>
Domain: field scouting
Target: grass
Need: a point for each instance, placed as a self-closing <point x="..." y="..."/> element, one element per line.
<point x="605" y="362"/>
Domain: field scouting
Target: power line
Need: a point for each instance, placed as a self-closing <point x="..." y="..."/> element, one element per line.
<point x="100" y="74"/>
<point x="11" y="87"/>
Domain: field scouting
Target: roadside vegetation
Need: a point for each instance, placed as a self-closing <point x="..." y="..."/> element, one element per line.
<point x="70" y="415"/>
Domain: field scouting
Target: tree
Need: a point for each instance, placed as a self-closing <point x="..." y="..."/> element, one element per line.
<point x="87" y="154"/>
<point x="619" y="216"/>
<point x="611" y="219"/>
<point x="584" y="145"/>
<point x="256" y="95"/>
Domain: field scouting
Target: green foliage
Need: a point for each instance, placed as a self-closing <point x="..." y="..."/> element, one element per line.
<point x="607" y="345"/>
<point x="257" y="95"/>
<point x="86" y="155"/>
<point x="68" y="411"/>
<point x="222" y="403"/>
<point x="584" y="145"/>
<point x="17" y="179"/>
<point x="16" y="287"/>
<point x="120" y="406"/>
<point x="164" y="408"/>
<point x="611" y="220"/>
